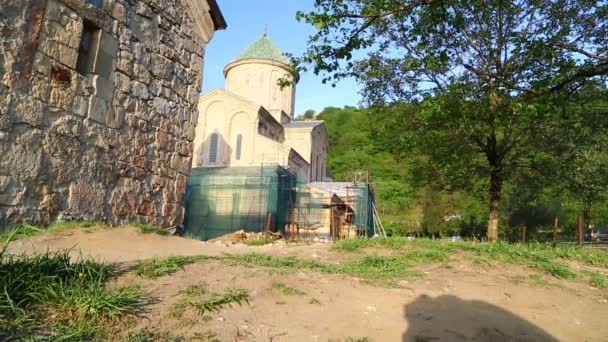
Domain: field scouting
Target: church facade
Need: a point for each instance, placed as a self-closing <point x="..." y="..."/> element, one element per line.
<point x="251" y="122"/>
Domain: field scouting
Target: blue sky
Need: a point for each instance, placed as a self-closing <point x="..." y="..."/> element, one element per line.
<point x="246" y="21"/>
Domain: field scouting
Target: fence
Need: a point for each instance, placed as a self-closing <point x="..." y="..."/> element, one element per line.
<point x="224" y="200"/>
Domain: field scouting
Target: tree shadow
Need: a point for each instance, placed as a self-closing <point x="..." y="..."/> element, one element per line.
<point x="449" y="318"/>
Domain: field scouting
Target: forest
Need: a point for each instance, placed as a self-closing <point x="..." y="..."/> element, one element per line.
<point x="415" y="198"/>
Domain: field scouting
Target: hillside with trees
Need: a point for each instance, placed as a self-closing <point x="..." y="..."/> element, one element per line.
<point x="498" y="97"/>
<point x="416" y="196"/>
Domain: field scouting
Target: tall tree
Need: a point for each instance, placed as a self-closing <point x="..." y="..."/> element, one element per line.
<point x="487" y="72"/>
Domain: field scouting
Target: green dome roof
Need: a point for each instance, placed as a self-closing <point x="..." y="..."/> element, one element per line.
<point x="264" y="49"/>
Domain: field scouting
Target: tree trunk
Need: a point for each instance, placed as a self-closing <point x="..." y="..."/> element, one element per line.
<point x="495" y="193"/>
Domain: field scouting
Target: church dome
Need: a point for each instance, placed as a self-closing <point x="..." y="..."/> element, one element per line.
<point x="262" y="50"/>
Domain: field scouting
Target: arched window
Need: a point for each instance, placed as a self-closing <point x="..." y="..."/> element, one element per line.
<point x="213" y="148"/>
<point x="239" y="142"/>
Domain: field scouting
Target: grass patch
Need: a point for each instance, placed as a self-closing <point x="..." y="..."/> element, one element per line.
<point x="542" y="257"/>
<point x="50" y="295"/>
<point x="369" y="267"/>
<point x="204" y="302"/>
<point x="195" y="290"/>
<point x="149" y="229"/>
<point x="286" y="290"/>
<point x="598" y="280"/>
<point x="147" y="335"/>
<point x="156" y="267"/>
<point x="27" y="231"/>
<point x="256" y="242"/>
<point x="354" y="245"/>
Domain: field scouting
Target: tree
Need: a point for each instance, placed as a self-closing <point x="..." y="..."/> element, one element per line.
<point x="309" y="114"/>
<point x="487" y="75"/>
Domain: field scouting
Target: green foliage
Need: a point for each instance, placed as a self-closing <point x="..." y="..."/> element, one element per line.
<point x="149" y="229"/>
<point x="482" y="89"/>
<point x="542" y="257"/>
<point x="26" y="231"/>
<point x="155" y="268"/>
<point x="213" y="302"/>
<point x="52" y="295"/>
<point x="598" y="280"/>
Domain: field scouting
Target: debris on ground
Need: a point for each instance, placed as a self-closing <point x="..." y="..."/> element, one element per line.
<point x="241" y="236"/>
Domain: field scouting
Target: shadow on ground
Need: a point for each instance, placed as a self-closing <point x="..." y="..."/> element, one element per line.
<point x="449" y="318"/>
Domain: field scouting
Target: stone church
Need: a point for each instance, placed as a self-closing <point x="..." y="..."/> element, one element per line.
<point x="251" y="122"/>
<point x="98" y="105"/>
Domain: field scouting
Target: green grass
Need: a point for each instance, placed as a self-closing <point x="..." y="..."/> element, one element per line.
<point x="148" y="335"/>
<point x="598" y="280"/>
<point x="287" y="290"/>
<point x="195" y="290"/>
<point x="27" y="231"/>
<point x="149" y="229"/>
<point x="156" y="267"/>
<point x="542" y="257"/>
<point x="256" y="242"/>
<point x="204" y="302"/>
<point x="51" y="295"/>
<point x="376" y="268"/>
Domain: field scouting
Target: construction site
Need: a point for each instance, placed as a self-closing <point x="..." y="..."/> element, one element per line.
<point x="271" y="200"/>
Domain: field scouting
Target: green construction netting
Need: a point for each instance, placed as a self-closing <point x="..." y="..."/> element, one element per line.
<point x="224" y="200"/>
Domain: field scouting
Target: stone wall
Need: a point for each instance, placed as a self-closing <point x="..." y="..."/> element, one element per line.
<point x="111" y="139"/>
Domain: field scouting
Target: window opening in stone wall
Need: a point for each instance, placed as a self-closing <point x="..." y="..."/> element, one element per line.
<point x="213" y="148"/>
<point x="86" y="48"/>
<point x="239" y="142"/>
<point x="96" y="3"/>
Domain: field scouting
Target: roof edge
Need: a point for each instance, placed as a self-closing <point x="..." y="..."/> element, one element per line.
<point x="219" y="22"/>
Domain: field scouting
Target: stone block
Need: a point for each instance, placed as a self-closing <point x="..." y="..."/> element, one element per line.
<point x="30" y="112"/>
<point x="145" y="30"/>
<point x="103" y="87"/>
<point x="106" y="55"/>
<point x="98" y="109"/>
<point x="141" y="73"/>
<point x="115" y="117"/>
<point x="124" y="62"/>
<point x="180" y="164"/>
<point x="170" y="213"/>
<point x="162" y="106"/>
<point x="61" y="99"/>
<point x="81" y="106"/>
<point x="139" y="90"/>
<point x="83" y="197"/>
<point x="122" y="82"/>
<point x="162" y="67"/>
<point x="119" y="12"/>
<point x="147" y="208"/>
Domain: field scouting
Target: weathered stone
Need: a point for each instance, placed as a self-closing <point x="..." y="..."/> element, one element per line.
<point x="115" y="117"/>
<point x="61" y="99"/>
<point x="80" y="106"/>
<point x="162" y="106"/>
<point x="85" y="198"/>
<point x="139" y="90"/>
<point x="141" y="73"/>
<point x="103" y="87"/>
<point x="162" y="67"/>
<point x="97" y="109"/>
<point x="88" y="143"/>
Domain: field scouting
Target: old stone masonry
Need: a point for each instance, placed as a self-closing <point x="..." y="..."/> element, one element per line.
<point x="98" y="107"/>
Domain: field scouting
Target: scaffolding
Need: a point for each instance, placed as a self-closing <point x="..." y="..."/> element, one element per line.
<point x="220" y="201"/>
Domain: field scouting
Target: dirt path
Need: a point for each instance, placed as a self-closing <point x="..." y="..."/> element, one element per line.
<point x="461" y="302"/>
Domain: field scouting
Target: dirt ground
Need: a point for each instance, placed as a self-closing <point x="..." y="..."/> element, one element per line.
<point x="457" y="302"/>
